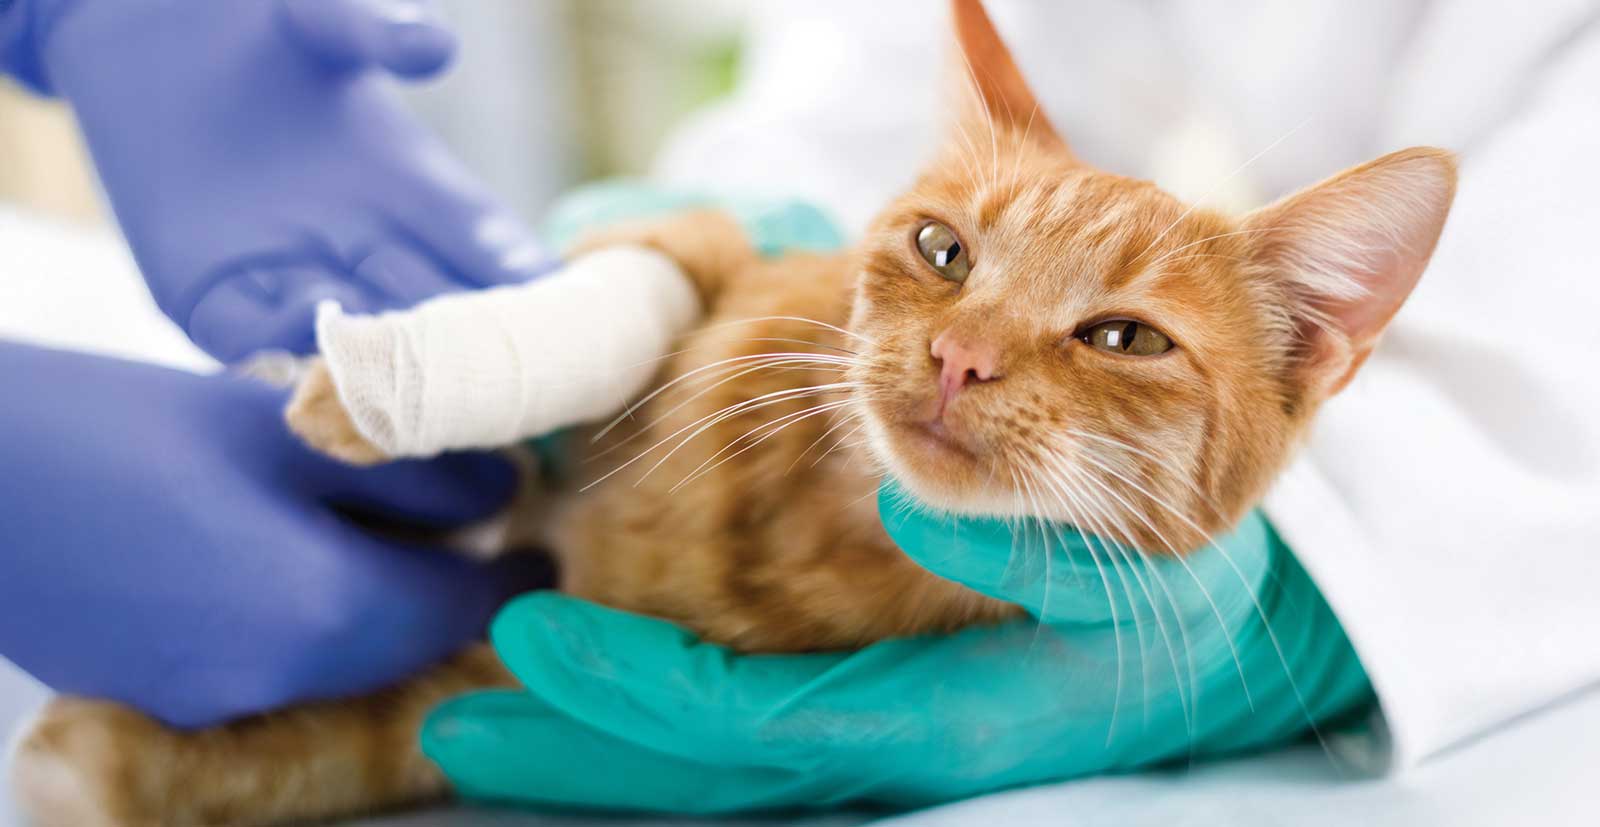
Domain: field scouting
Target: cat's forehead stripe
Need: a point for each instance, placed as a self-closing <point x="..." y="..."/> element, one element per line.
<point x="995" y="200"/>
<point x="1077" y="242"/>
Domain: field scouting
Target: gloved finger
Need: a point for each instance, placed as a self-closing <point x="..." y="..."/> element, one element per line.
<point x="402" y="276"/>
<point x="411" y="39"/>
<point x="406" y="37"/>
<point x="481" y="243"/>
<point x="897" y="712"/>
<point x="383" y="609"/>
<point x="512" y="747"/>
<point x="1056" y="572"/>
<point x="656" y="684"/>
<point x="443" y="492"/>
<point x="260" y="307"/>
<point x="1064" y="576"/>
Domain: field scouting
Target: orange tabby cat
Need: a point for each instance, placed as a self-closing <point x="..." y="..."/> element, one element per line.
<point x="1016" y="308"/>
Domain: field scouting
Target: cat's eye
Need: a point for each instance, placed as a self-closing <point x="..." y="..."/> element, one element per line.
<point x="1127" y="338"/>
<point x="944" y="252"/>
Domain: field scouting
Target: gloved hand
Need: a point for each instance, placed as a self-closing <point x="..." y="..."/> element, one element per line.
<point x="1137" y="662"/>
<point x="168" y="544"/>
<point x="258" y="159"/>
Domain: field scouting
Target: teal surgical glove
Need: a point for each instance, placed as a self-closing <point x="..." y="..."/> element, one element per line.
<point x="1125" y="663"/>
<point x="775" y="226"/>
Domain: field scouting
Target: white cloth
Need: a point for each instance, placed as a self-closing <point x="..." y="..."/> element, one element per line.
<point x="1449" y="502"/>
<point x="486" y="369"/>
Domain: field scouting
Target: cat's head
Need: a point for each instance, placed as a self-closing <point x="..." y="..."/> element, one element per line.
<point x="1048" y="338"/>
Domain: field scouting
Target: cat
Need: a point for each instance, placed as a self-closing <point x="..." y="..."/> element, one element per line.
<point x="1014" y="309"/>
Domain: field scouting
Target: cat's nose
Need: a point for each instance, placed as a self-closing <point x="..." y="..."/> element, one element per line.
<point x="962" y="362"/>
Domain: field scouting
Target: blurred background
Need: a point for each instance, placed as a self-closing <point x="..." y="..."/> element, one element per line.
<point x="543" y="95"/>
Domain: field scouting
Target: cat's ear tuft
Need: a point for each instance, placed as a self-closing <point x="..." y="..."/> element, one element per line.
<point x="992" y="89"/>
<point x="1352" y="248"/>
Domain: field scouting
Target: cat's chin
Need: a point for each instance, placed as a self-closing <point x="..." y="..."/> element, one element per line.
<point x="940" y="469"/>
<point x="934" y="443"/>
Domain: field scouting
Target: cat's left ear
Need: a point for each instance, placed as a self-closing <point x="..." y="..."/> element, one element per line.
<point x="1352" y="248"/>
<point x="992" y="87"/>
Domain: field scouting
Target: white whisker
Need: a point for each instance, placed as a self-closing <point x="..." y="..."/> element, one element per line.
<point x="1261" y="613"/>
<point x="1116" y="629"/>
<point x="1085" y="518"/>
<point x="842" y="442"/>
<point x="1177" y="556"/>
<point x="801" y="319"/>
<point x="790" y="340"/>
<point x="1218" y="186"/>
<point x="818" y="441"/>
<point x="744" y="406"/>
<point x="1102" y="525"/>
<point x="1209" y="238"/>
<point x="782" y="424"/>
<point x="764" y="361"/>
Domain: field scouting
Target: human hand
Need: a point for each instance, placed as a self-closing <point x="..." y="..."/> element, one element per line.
<point x="259" y="161"/>
<point x="169" y="545"/>
<point x="1142" y="661"/>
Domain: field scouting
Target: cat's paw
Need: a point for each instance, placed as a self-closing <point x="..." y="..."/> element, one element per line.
<point x="317" y="416"/>
<point x="83" y="764"/>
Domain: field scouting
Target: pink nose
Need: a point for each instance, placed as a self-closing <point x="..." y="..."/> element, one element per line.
<point x="962" y="363"/>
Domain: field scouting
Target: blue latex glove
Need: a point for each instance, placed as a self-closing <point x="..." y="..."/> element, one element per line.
<point x="168" y="544"/>
<point x="1138" y="663"/>
<point x="258" y="159"/>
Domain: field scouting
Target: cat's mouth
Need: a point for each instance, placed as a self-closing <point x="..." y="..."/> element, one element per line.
<point x="948" y="456"/>
<point x="936" y="449"/>
<point x="939" y="438"/>
<point x="943" y="463"/>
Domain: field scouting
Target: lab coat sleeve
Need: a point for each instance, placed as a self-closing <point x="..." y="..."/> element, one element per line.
<point x="1448" y="504"/>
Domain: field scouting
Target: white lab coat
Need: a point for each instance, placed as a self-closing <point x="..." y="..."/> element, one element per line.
<point x="1449" y="501"/>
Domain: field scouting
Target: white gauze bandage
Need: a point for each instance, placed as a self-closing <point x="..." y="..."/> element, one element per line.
<point x="486" y="369"/>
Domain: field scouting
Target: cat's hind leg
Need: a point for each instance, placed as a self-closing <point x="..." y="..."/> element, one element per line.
<point x="95" y="764"/>
<point x="54" y="788"/>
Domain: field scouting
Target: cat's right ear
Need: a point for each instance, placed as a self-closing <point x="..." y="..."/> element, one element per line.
<point x="1350" y="250"/>
<point x="991" y="88"/>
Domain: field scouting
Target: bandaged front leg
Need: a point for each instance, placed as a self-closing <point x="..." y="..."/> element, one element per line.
<point x="486" y="369"/>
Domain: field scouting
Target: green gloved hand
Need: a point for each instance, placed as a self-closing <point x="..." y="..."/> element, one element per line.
<point x="1128" y="662"/>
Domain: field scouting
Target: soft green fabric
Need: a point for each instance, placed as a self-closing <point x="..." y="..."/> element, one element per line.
<point x="1126" y="662"/>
